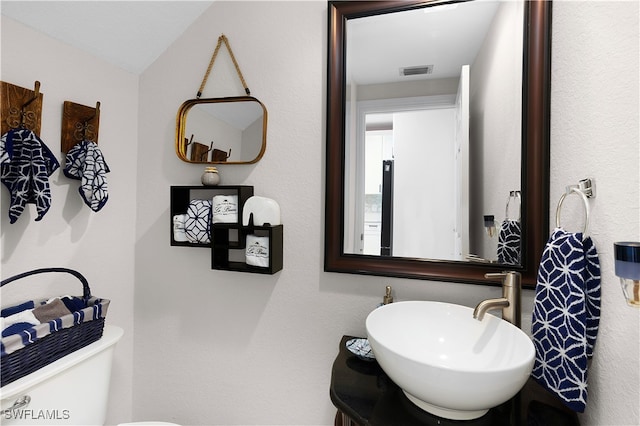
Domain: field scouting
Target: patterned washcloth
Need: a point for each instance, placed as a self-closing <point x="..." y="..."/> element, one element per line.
<point x="197" y="225"/>
<point x="509" y="239"/>
<point x="27" y="164"/>
<point x="86" y="163"/>
<point x="566" y="314"/>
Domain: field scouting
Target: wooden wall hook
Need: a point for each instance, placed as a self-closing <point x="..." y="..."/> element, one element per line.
<point x="20" y="107"/>
<point x="79" y="122"/>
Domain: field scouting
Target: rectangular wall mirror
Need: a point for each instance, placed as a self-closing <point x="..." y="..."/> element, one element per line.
<point x="229" y="130"/>
<point x="437" y="119"/>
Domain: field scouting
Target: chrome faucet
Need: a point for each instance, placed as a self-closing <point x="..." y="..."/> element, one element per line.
<point x="509" y="302"/>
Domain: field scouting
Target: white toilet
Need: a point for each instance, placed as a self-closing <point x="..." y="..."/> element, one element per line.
<point x="70" y="391"/>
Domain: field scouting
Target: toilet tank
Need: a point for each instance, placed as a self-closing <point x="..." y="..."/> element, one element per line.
<point x="70" y="391"/>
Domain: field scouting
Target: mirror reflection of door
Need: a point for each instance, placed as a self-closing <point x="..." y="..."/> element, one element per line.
<point x="416" y="178"/>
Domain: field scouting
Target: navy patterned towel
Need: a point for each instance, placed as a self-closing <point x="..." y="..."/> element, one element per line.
<point x="509" y="239"/>
<point x="86" y="163"/>
<point x="566" y="314"/>
<point x="27" y="164"/>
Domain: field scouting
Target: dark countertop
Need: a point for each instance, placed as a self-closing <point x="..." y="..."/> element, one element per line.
<point x="362" y="391"/>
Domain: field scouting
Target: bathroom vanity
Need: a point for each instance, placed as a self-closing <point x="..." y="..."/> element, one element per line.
<point x="365" y="396"/>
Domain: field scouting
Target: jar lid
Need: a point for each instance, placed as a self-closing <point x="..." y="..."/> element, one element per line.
<point x="627" y="251"/>
<point x="210" y="169"/>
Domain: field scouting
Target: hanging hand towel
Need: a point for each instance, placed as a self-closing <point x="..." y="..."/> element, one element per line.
<point x="509" y="239"/>
<point x="86" y="163"/>
<point x="27" y="164"/>
<point x="566" y="314"/>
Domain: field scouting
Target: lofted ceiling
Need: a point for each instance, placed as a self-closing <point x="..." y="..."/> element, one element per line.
<point x="128" y="34"/>
<point x="133" y="34"/>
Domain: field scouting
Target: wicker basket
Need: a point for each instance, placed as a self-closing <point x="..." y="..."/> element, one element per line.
<point x="48" y="342"/>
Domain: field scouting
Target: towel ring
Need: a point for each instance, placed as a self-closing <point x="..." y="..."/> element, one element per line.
<point x="582" y="195"/>
<point x="515" y="195"/>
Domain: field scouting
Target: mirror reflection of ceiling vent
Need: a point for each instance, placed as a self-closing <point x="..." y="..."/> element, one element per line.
<point x="418" y="70"/>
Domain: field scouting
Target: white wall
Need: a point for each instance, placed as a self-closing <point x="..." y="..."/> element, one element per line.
<point x="594" y="133"/>
<point x="217" y="347"/>
<point x="260" y="349"/>
<point x="99" y="245"/>
<point x="495" y="124"/>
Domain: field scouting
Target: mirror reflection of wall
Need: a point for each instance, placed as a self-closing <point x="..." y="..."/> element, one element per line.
<point x="443" y="186"/>
<point x="234" y="128"/>
<point x="221" y="130"/>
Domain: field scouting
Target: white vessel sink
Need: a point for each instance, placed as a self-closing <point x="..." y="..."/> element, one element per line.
<point x="445" y="361"/>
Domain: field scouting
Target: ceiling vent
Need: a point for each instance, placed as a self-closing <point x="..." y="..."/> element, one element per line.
<point x="419" y="70"/>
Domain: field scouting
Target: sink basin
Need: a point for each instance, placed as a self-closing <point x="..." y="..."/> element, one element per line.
<point x="445" y="361"/>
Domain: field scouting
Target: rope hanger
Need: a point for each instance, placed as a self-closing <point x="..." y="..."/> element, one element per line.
<point x="222" y="39"/>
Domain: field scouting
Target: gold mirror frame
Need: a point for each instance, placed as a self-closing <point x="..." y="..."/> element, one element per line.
<point x="181" y="125"/>
<point x="535" y="153"/>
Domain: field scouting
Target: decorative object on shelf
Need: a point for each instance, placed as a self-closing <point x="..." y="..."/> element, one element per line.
<point x="261" y="211"/>
<point x="257" y="251"/>
<point x="224" y="209"/>
<point x="361" y="349"/>
<point x="179" y="233"/>
<point x="210" y="177"/>
<point x="238" y="124"/>
<point x="627" y="267"/>
<point x="197" y="224"/>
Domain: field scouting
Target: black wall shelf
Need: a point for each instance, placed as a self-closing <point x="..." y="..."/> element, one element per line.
<point x="228" y="240"/>
<point x="223" y="249"/>
<point x="181" y="196"/>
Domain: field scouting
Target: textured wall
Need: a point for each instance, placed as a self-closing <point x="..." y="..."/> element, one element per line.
<point x="594" y="133"/>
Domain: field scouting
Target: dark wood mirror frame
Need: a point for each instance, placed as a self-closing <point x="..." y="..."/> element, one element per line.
<point x="535" y="149"/>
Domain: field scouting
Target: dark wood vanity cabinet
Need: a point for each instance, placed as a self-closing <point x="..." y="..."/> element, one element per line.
<point x="365" y="396"/>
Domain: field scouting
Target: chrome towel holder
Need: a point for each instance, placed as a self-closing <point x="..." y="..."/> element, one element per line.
<point x="586" y="188"/>
<point x="516" y="196"/>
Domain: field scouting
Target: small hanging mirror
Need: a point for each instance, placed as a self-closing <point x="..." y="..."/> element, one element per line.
<point x="229" y="130"/>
